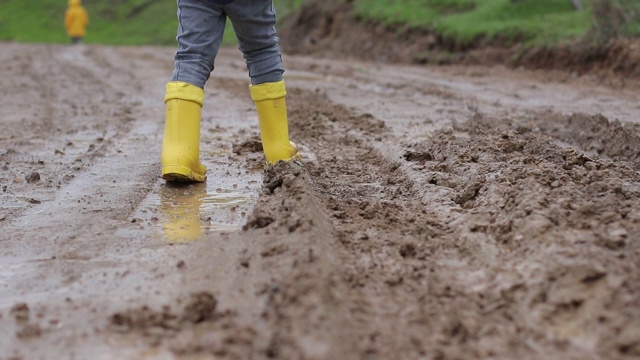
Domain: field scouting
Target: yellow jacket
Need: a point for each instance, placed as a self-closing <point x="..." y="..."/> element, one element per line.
<point x="76" y="19"/>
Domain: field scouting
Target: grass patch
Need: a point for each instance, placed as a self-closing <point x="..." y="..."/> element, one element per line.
<point x="535" y="22"/>
<point x="615" y="18"/>
<point x="112" y="22"/>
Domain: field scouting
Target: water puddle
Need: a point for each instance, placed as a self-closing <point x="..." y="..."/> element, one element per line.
<point x="187" y="212"/>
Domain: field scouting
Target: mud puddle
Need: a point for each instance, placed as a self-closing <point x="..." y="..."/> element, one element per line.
<point x="189" y="212"/>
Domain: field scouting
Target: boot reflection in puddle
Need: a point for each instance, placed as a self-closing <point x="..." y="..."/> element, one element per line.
<point x="180" y="206"/>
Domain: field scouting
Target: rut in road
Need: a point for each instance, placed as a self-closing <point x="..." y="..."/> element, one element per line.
<point x="431" y="239"/>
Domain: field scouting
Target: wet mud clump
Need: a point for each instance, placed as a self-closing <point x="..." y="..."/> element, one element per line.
<point x="249" y="146"/>
<point x="593" y="134"/>
<point x="199" y="308"/>
<point x="287" y="182"/>
<point x="198" y="329"/>
<point x="25" y="328"/>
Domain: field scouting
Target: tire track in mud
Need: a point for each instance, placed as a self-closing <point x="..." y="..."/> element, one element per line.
<point x="69" y="126"/>
<point x="70" y="101"/>
<point x="482" y="245"/>
<point x="84" y="135"/>
<point x="99" y="259"/>
<point x="388" y="237"/>
<point x="334" y="236"/>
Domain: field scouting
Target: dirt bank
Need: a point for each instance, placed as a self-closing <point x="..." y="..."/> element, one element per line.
<point x="438" y="213"/>
<point x="334" y="30"/>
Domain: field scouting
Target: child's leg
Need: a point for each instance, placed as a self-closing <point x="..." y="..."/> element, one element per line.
<point x="254" y="22"/>
<point x="200" y="29"/>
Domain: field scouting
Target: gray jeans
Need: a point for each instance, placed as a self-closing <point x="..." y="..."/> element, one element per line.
<point x="200" y="30"/>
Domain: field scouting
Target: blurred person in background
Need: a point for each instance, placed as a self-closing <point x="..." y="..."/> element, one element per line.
<point x="75" y="21"/>
<point x="201" y="25"/>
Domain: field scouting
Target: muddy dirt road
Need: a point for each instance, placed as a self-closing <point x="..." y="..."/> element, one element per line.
<point x="439" y="213"/>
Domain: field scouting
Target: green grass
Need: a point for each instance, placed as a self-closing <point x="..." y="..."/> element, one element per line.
<point x="137" y="22"/>
<point x="537" y="22"/>
<point x="115" y="22"/>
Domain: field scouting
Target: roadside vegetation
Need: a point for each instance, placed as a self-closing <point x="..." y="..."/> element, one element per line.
<point x="110" y="22"/>
<point x="466" y="22"/>
<point x="531" y="22"/>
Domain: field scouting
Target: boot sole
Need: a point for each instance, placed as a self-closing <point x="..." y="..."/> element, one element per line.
<point x="177" y="173"/>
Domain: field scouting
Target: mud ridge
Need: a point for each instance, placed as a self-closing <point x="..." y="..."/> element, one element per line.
<point x="498" y="195"/>
<point x="385" y="234"/>
<point x="297" y="250"/>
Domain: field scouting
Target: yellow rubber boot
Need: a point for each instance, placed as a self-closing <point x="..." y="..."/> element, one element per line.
<point x="181" y="143"/>
<point x="274" y="127"/>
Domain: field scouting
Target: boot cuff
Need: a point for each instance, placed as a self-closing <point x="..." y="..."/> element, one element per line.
<point x="184" y="91"/>
<point x="268" y="91"/>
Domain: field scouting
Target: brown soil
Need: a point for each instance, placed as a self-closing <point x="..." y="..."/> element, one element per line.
<point x="333" y="29"/>
<point x="438" y="213"/>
